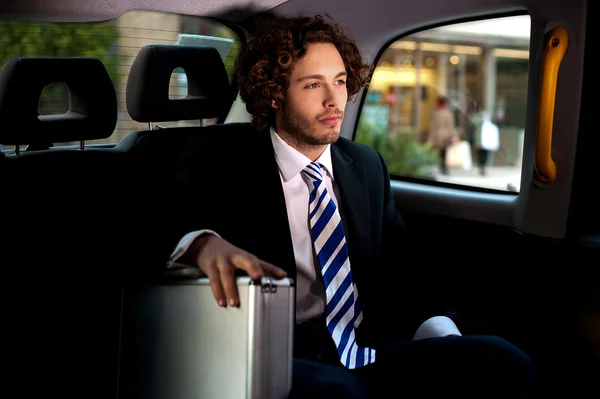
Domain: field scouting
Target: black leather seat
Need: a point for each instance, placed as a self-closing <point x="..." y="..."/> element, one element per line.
<point x="209" y="96"/>
<point x="61" y="301"/>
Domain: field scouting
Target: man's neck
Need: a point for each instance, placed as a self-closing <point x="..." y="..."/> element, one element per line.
<point x="312" y="152"/>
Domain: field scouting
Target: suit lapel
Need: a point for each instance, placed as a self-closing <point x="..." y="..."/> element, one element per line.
<point x="272" y="224"/>
<point x="353" y="202"/>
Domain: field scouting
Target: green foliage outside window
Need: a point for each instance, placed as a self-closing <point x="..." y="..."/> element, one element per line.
<point x="48" y="39"/>
<point x="403" y="154"/>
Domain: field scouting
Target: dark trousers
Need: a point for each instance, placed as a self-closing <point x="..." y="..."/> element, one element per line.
<point x="482" y="158"/>
<point x="469" y="367"/>
<point x="443" y="167"/>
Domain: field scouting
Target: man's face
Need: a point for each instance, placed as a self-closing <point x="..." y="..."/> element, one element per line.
<point x="314" y="104"/>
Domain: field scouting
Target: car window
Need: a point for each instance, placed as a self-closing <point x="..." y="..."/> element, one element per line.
<point x="116" y="43"/>
<point x="448" y="104"/>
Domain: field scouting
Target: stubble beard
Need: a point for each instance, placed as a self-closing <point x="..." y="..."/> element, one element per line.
<point x="303" y="133"/>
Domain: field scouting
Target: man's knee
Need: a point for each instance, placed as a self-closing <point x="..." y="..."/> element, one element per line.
<point x="312" y="380"/>
<point x="507" y="353"/>
<point x="508" y="365"/>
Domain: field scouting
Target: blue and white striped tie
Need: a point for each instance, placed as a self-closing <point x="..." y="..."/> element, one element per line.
<point x="343" y="311"/>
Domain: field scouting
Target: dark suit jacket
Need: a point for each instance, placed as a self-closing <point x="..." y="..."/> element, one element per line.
<point x="228" y="181"/>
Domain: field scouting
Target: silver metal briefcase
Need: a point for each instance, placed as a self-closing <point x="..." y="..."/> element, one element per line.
<point x="177" y="343"/>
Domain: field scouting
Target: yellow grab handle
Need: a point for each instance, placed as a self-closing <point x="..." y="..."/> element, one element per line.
<point x="556" y="46"/>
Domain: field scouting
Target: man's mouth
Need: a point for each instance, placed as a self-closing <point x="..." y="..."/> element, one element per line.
<point x="331" y="120"/>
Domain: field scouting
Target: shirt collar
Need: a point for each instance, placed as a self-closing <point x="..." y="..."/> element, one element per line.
<point x="291" y="161"/>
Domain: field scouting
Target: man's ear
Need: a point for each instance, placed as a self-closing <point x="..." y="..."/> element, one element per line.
<point x="274" y="104"/>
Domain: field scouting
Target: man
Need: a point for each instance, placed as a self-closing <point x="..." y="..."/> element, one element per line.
<point x="292" y="198"/>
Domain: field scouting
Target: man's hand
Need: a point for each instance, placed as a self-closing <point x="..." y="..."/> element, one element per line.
<point x="219" y="260"/>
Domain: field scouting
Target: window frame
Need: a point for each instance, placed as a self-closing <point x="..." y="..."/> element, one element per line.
<point x="539" y="209"/>
<point x="364" y="94"/>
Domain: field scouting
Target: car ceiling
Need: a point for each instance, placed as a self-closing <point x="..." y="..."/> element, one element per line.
<point x="98" y="10"/>
<point x="382" y="11"/>
<point x="357" y="16"/>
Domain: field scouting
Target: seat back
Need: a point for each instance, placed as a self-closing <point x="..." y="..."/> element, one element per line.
<point x="155" y="152"/>
<point x="62" y="299"/>
<point x="48" y="184"/>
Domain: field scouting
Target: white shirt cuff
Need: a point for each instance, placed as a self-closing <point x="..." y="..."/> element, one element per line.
<point x="438" y="326"/>
<point x="183" y="246"/>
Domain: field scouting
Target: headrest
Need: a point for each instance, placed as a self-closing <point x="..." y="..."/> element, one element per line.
<point x="209" y="94"/>
<point x="93" y="101"/>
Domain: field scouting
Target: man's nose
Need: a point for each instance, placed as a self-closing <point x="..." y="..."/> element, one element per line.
<point x="330" y="100"/>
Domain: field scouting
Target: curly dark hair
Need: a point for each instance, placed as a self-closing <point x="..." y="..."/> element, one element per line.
<point x="266" y="61"/>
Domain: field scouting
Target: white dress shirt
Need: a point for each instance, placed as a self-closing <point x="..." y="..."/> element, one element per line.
<point x="310" y="292"/>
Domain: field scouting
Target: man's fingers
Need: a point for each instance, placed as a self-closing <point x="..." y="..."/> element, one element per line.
<point x="228" y="280"/>
<point x="249" y="263"/>
<point x="257" y="268"/>
<point x="215" y="283"/>
<point x="272" y="270"/>
<point x="221" y="273"/>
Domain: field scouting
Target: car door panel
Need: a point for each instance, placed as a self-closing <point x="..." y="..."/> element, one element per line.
<point x="502" y="263"/>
